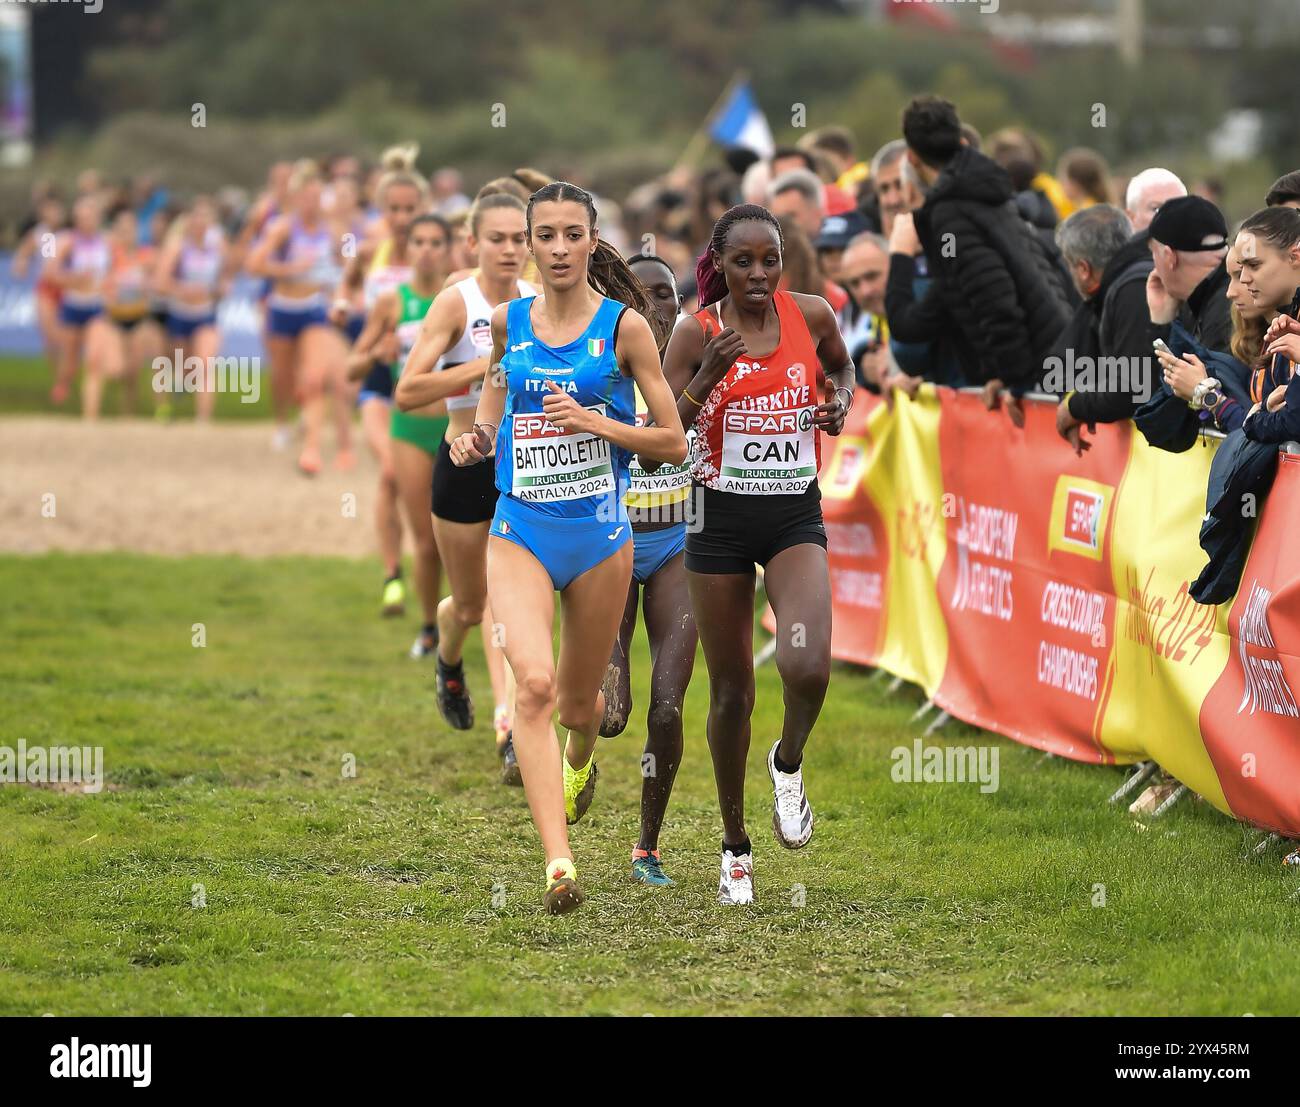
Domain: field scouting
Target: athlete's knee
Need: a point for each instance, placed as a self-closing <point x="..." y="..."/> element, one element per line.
<point x="732" y="697"/>
<point x="805" y="675"/>
<point x="664" y="719"/>
<point x="535" y="693"/>
<point x="425" y="546"/>
<point x="467" y="612"/>
<point x="575" y="715"/>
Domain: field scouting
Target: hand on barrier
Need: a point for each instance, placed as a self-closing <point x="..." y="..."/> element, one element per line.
<point x="1015" y="411"/>
<point x="1071" y="429"/>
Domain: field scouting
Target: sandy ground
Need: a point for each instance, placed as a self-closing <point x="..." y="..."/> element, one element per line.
<point x="132" y="484"/>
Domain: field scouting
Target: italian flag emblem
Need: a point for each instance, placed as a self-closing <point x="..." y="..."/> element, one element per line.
<point x="595" y="346"/>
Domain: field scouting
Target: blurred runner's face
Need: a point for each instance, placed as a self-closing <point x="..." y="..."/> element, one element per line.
<point x="501" y="242"/>
<point x="751" y="262"/>
<point x="659" y="283"/>
<point x="427" y="248"/>
<point x="307" y="201"/>
<point x="562" y="242"/>
<point x="401" y="204"/>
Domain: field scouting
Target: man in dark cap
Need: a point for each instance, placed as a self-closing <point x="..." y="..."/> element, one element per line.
<point x="1189" y="240"/>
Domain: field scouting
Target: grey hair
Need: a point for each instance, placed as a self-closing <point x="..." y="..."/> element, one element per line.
<point x="803" y="181"/>
<point x="1146" y="179"/>
<point x="889" y="153"/>
<point x="877" y="240"/>
<point x="1094" y="235"/>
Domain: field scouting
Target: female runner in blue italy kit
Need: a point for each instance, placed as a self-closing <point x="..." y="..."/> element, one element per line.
<point x="558" y="401"/>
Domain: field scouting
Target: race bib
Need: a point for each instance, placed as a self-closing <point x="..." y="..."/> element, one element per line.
<point x="665" y="480"/>
<point x="556" y="464"/>
<point x="768" y="453"/>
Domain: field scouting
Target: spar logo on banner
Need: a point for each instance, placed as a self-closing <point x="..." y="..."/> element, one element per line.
<point x="1080" y="510"/>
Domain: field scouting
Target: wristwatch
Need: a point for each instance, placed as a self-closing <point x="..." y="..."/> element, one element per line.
<point x="1207" y="393"/>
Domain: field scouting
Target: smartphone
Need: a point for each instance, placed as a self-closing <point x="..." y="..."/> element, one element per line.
<point x="1162" y="347"/>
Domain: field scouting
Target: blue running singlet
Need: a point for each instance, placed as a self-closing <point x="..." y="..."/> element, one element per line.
<point x="561" y="491"/>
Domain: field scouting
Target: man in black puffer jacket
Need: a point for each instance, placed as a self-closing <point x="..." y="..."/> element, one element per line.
<point x="1000" y="286"/>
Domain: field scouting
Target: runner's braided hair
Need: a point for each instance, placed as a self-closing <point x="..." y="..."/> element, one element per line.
<point x="607" y="272"/>
<point x="712" y="284"/>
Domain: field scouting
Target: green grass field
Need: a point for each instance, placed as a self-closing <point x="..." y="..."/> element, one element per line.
<point x="25" y="390"/>
<point x="374" y="894"/>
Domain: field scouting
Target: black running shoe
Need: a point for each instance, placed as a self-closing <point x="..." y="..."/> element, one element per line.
<point x="510" y="773"/>
<point x="453" y="698"/>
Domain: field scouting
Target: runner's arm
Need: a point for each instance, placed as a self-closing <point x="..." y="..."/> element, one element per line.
<point x="492" y="401"/>
<point x="419" y="385"/>
<point x="379" y="323"/>
<point x="637" y="351"/>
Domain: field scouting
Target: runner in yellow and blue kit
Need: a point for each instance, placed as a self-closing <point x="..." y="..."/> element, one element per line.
<point x="658" y="500"/>
<point x="558" y="399"/>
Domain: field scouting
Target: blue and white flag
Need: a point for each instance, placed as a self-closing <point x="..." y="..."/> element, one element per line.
<point x="741" y="122"/>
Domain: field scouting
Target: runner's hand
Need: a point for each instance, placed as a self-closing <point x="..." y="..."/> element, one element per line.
<point x="472" y="447"/>
<point x="563" y="411"/>
<point x="720" y="353"/>
<point x="830" y="415"/>
<point x="387" y="349"/>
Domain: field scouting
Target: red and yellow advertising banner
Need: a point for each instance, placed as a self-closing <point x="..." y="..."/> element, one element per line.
<point x="1044" y="596"/>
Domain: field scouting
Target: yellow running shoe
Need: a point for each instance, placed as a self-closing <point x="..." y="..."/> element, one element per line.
<point x="394" y="597"/>
<point x="579" y="789"/>
<point x="563" y="892"/>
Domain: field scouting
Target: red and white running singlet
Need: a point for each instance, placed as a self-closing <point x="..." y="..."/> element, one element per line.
<point x="755" y="434"/>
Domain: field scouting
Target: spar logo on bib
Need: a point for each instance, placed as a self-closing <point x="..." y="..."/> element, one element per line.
<point x="768" y="452"/>
<point x="552" y="463"/>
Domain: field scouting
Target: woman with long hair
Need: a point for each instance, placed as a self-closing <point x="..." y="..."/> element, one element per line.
<point x="558" y="411"/>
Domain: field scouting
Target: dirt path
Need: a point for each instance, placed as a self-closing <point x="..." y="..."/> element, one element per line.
<point x="131" y="484"/>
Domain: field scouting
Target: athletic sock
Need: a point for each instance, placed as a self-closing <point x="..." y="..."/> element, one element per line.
<point x="782" y="767"/>
<point x="451" y="672"/>
<point x="740" y="849"/>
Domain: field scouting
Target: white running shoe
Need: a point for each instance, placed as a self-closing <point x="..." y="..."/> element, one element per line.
<point x="737" y="882"/>
<point x="282" y="439"/>
<point x="792" y="816"/>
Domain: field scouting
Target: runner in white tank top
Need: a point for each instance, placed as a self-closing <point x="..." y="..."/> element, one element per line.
<point x="449" y="362"/>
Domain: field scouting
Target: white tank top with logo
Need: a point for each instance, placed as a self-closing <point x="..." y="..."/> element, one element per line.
<point x="475" y="340"/>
